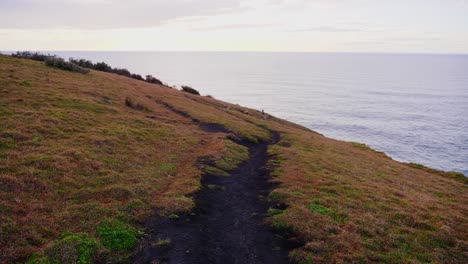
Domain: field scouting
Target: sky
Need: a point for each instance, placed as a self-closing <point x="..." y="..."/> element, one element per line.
<point x="393" y="26"/>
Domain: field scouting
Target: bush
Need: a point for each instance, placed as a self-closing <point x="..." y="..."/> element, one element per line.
<point x="136" y="77"/>
<point x="116" y="235"/>
<point x="31" y="55"/>
<point x="151" y="79"/>
<point x="189" y="89"/>
<point x="81" y="65"/>
<point x="64" y="65"/>
<point x="102" y="66"/>
<point x="137" y="106"/>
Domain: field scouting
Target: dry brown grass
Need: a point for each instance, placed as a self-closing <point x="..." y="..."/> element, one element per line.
<point x="352" y="204"/>
<point x="72" y="154"/>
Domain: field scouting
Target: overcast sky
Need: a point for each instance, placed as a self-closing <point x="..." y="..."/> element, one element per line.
<point x="429" y="26"/>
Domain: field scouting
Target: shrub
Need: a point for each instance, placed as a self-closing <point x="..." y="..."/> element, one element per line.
<point x="189" y="89"/>
<point x="151" y="79"/>
<point x="31" y="55"/>
<point x="116" y="235"/>
<point x="83" y="63"/>
<point x="123" y="72"/>
<point x="163" y="242"/>
<point x="137" y="106"/>
<point x="64" y="65"/>
<point x="102" y="66"/>
<point x="80" y="65"/>
<point x="137" y="77"/>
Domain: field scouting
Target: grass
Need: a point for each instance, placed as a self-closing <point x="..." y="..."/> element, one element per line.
<point x="137" y="106"/>
<point x="73" y="152"/>
<point x="115" y="235"/>
<point x="357" y="205"/>
<point x="163" y="242"/>
<point x="77" y="248"/>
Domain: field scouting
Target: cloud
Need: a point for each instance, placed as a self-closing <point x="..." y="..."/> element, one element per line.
<point x="232" y="26"/>
<point x="324" y="29"/>
<point x="99" y="14"/>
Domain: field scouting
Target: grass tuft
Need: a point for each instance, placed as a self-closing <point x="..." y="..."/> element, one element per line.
<point x="116" y="235"/>
<point x="78" y="248"/>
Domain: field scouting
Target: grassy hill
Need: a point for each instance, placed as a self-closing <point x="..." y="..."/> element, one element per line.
<point x="86" y="158"/>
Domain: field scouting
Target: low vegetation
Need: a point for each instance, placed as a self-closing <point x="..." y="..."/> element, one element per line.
<point x="116" y="235"/>
<point x="64" y="65"/>
<point x="70" y="248"/>
<point x="82" y="166"/>
<point x="189" y="89"/>
<point x="137" y="106"/>
<point x="81" y="65"/>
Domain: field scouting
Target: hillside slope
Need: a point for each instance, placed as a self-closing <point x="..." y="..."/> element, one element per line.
<point x="86" y="158"/>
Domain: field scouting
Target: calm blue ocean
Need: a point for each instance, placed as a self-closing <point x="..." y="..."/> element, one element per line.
<point x="413" y="107"/>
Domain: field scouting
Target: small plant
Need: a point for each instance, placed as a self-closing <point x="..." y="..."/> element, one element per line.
<point x="189" y="89"/>
<point x="26" y="84"/>
<point x="137" y="106"/>
<point x="274" y="211"/>
<point x="215" y="171"/>
<point x="173" y="216"/>
<point x="115" y="235"/>
<point x="129" y="102"/>
<point x="215" y="187"/>
<point x="315" y="207"/>
<point x="167" y="166"/>
<point x="163" y="242"/>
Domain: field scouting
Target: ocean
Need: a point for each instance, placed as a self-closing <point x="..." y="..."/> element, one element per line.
<point x="414" y="107"/>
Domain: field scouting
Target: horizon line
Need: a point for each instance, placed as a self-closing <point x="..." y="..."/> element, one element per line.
<point x="252" y="51"/>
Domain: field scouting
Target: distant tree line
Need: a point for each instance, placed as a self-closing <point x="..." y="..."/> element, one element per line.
<point x="81" y="65"/>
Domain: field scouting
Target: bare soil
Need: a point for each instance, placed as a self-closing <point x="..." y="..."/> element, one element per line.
<point x="227" y="224"/>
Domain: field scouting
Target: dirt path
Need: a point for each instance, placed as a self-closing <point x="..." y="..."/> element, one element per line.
<point x="226" y="226"/>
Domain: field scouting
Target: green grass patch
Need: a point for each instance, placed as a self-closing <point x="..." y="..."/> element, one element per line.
<point x="173" y="216"/>
<point x="116" y="235"/>
<point x="167" y="166"/>
<point x="4" y="110"/>
<point x="26" y="84"/>
<point x="79" y="105"/>
<point x="448" y="174"/>
<point x="274" y="211"/>
<point x="360" y="145"/>
<point x="233" y="155"/>
<point x="78" y="248"/>
<point x="6" y="144"/>
<point x="316" y="207"/>
<point x="215" y="171"/>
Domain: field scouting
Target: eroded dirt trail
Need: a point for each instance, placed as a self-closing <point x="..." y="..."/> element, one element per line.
<point x="226" y="226"/>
